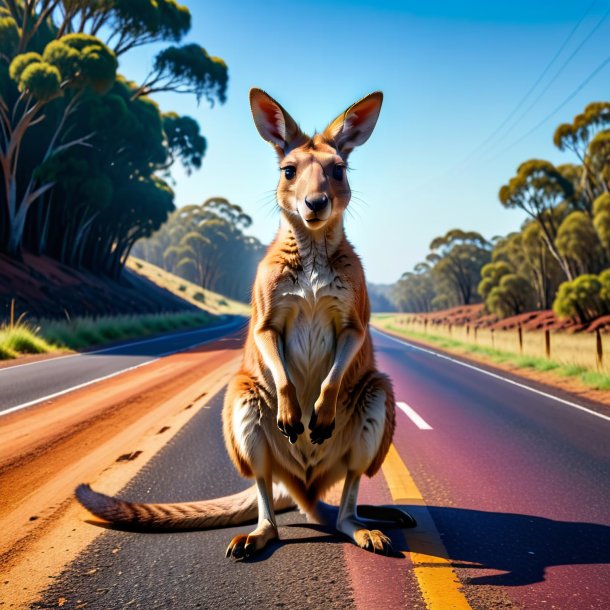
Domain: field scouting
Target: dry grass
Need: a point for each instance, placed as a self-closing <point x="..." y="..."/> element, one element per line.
<point x="85" y="332"/>
<point x="200" y="297"/>
<point x="18" y="338"/>
<point x="568" y="360"/>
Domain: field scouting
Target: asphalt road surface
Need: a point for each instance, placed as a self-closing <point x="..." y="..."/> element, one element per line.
<point x="516" y="483"/>
<point x="25" y="385"/>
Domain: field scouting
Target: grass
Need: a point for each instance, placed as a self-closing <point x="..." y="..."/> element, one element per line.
<point x="194" y="294"/>
<point x="85" y="332"/>
<point x="592" y="379"/>
<point x="18" y="337"/>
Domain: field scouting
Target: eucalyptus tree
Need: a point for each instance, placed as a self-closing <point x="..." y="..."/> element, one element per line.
<point x="506" y="293"/>
<point x="579" y="245"/>
<point x="457" y="258"/>
<point x="414" y="292"/>
<point x="587" y="137"/>
<point x="71" y="128"/>
<point x="207" y="245"/>
<point x="585" y="298"/>
<point x="66" y="68"/>
<point x="542" y="192"/>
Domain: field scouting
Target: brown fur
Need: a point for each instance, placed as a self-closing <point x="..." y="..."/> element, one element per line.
<point x="308" y="358"/>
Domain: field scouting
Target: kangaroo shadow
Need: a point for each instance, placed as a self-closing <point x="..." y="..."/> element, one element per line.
<point x="520" y="546"/>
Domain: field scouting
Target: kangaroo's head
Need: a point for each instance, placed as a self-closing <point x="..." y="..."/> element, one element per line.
<point x="313" y="187"/>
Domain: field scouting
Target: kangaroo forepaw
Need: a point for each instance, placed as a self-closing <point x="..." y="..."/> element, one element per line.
<point x="319" y="432"/>
<point x="290" y="429"/>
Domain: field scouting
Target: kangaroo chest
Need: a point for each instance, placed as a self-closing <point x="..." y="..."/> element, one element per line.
<point x="314" y="315"/>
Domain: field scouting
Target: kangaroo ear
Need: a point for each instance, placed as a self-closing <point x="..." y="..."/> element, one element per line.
<point x="356" y="124"/>
<point x="274" y="124"/>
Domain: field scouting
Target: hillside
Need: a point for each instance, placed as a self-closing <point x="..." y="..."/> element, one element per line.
<point x="185" y="290"/>
<point x="43" y="288"/>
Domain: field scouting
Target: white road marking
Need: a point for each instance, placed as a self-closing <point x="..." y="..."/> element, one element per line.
<point x="96" y="380"/>
<point x="116" y="347"/>
<point x="417" y="419"/>
<point x="495" y="376"/>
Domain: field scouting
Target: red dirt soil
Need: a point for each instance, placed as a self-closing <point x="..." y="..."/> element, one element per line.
<point x="44" y="288"/>
<point x="474" y="315"/>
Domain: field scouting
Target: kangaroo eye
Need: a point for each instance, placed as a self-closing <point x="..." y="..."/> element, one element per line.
<point x="290" y="172"/>
<point x="338" y="172"/>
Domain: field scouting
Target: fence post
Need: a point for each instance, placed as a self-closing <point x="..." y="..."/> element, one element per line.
<point x="600" y="348"/>
<point x="547" y="343"/>
<point x="493" y="343"/>
<point x="520" y="331"/>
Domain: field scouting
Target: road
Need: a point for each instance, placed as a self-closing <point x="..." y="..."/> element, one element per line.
<point x="24" y="385"/>
<point x="510" y="488"/>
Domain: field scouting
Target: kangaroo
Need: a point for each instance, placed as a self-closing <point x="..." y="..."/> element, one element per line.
<point x="308" y="359"/>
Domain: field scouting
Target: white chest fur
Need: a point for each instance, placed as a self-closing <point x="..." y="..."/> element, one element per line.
<point x="315" y="303"/>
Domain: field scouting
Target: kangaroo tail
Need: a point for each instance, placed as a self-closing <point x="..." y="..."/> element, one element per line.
<point x="236" y="509"/>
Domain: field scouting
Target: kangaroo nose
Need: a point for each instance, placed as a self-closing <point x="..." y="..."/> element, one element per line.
<point x="316" y="201"/>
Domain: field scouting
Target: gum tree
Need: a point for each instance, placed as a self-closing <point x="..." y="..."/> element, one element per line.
<point x="538" y="189"/>
<point x="60" y="97"/>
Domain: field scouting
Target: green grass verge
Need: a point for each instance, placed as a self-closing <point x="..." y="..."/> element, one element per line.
<point x="21" y="339"/>
<point x="591" y="379"/>
<point x="78" y="333"/>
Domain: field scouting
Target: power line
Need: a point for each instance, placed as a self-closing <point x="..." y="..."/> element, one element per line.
<point x="536" y="83"/>
<point x="556" y="76"/>
<point x="464" y="162"/>
<point x="549" y="116"/>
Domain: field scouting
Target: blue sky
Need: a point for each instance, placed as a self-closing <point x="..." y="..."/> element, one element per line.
<point x="451" y="73"/>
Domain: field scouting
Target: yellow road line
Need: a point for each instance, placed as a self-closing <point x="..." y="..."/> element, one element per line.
<point x="438" y="582"/>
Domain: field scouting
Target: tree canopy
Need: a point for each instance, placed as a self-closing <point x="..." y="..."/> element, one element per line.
<point x="206" y="244"/>
<point x="85" y="151"/>
<point x="560" y="257"/>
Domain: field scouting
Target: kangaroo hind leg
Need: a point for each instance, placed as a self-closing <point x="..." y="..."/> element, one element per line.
<point x="246" y="545"/>
<point x="387" y="514"/>
<point x="249" y="449"/>
<point x="348" y="523"/>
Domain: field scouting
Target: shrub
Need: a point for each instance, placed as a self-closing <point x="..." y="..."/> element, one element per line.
<point x="585" y="298"/>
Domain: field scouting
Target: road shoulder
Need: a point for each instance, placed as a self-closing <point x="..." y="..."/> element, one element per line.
<point x="565" y="389"/>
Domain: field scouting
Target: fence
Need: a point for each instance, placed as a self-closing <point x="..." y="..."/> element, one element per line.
<point x="589" y="350"/>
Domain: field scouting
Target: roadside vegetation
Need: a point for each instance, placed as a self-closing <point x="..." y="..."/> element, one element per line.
<point x="207" y="245"/>
<point x="86" y="150"/>
<point x="559" y="259"/>
<point x="18" y="338"/>
<point x="208" y="300"/>
<point x="595" y="380"/>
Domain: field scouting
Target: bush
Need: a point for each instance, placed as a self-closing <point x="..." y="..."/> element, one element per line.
<point x="585" y="298"/>
<point x="21" y="338"/>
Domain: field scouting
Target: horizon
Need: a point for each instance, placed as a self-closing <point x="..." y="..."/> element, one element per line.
<point x="449" y="159"/>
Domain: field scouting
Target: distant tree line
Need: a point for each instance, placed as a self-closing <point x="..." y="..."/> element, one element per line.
<point x="83" y="149"/>
<point x="561" y="256"/>
<point x="206" y="244"/>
